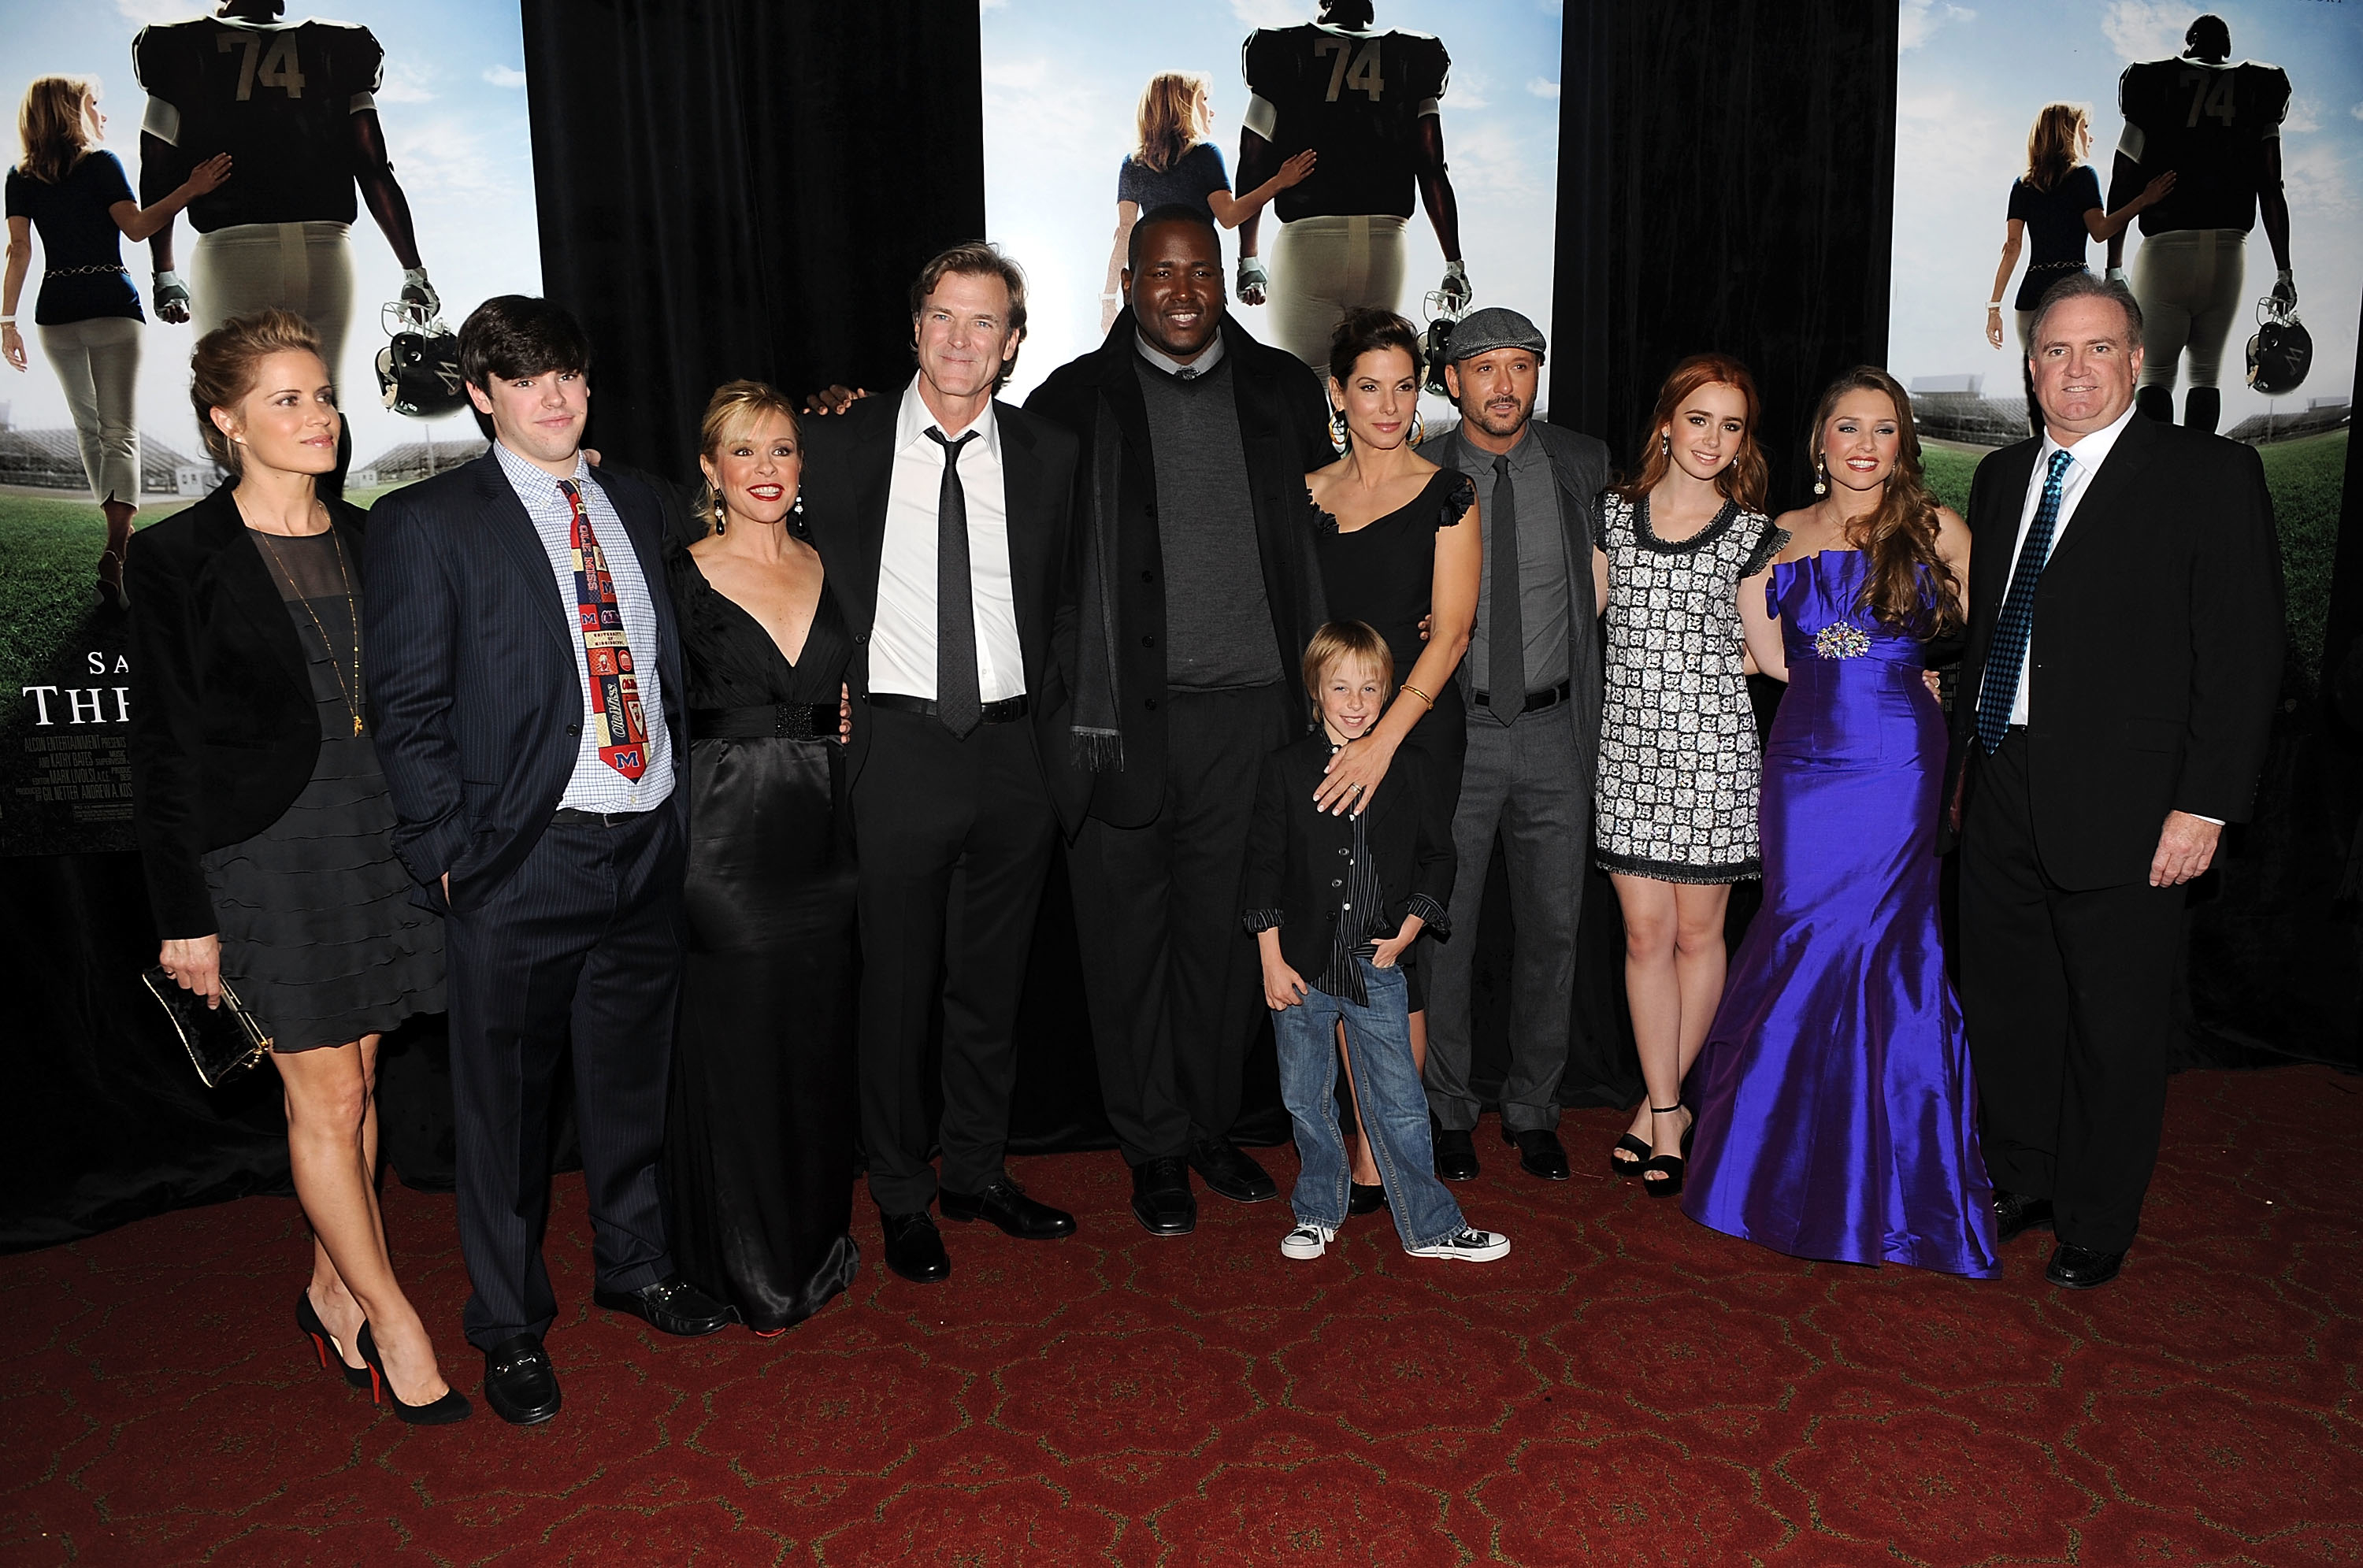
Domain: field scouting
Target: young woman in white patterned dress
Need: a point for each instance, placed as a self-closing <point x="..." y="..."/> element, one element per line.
<point x="1679" y="768"/>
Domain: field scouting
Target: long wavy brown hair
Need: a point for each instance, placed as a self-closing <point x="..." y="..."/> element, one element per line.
<point x="1899" y="537"/>
<point x="50" y="122"/>
<point x="1743" y="478"/>
<point x="2051" y="143"/>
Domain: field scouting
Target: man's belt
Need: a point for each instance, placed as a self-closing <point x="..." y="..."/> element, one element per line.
<point x="574" y="816"/>
<point x="1001" y="713"/>
<point x="794" y="721"/>
<point x="1535" y="700"/>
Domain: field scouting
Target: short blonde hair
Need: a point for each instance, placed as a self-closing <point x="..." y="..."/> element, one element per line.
<point x="227" y="360"/>
<point x="734" y="406"/>
<point x="1339" y="640"/>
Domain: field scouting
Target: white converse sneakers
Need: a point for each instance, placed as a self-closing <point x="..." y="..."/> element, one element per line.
<point x="1306" y="1242"/>
<point x="1470" y="1246"/>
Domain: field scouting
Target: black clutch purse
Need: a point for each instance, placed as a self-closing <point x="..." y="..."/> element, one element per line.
<point x="222" y="1042"/>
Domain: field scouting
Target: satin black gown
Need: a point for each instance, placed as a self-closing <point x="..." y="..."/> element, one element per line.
<point x="760" y="1123"/>
<point x="1838" y="1116"/>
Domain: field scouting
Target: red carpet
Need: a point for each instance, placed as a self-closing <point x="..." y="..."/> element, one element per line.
<point x="1626" y="1387"/>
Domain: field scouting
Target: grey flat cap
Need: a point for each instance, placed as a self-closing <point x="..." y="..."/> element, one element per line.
<point x="1495" y="326"/>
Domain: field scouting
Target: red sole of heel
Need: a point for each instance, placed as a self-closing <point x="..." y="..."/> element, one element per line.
<point x="320" y="1348"/>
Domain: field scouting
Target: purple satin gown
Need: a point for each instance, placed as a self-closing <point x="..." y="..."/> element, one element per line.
<point x="1837" y="1117"/>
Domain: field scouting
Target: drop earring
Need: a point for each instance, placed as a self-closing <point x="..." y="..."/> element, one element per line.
<point x="1821" y="478"/>
<point x="1665" y="445"/>
<point x="1337" y="437"/>
<point x="1418" y="430"/>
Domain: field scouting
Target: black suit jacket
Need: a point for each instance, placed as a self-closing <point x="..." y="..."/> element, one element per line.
<point x="1296" y="854"/>
<point x="470" y="661"/>
<point x="848" y="467"/>
<point x="2157" y="650"/>
<point x="1283" y="429"/>
<point x="224" y="732"/>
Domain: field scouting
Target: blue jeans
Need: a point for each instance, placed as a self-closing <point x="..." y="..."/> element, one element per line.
<point x="1395" y="1106"/>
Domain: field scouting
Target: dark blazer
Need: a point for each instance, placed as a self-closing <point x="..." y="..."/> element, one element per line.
<point x="1296" y="854"/>
<point x="848" y="466"/>
<point x="1581" y="463"/>
<point x="224" y="732"/>
<point x="1284" y="428"/>
<point x="2157" y="655"/>
<point x="473" y="685"/>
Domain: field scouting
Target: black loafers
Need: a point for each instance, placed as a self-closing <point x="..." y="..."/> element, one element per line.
<point x="2015" y="1214"/>
<point x="1005" y="1205"/>
<point x="915" y="1248"/>
<point x="2082" y="1268"/>
<point x="671" y="1306"/>
<point x="1226" y="1168"/>
<point x="1161" y="1199"/>
<point x="1456" y="1155"/>
<point x="1541" y="1154"/>
<point x="519" y="1383"/>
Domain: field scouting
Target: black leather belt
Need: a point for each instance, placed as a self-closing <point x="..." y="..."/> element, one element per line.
<point x="796" y="721"/>
<point x="1535" y="700"/>
<point x="1000" y="712"/>
<point x="574" y="816"/>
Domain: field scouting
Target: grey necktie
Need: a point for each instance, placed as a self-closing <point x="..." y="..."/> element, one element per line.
<point x="1505" y="632"/>
<point x="957" y="702"/>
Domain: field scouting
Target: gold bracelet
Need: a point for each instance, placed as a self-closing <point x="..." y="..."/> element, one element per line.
<point x="1418" y="693"/>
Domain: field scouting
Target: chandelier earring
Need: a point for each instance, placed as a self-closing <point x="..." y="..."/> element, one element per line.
<point x="1337" y="436"/>
<point x="721" y="515"/>
<point x="1821" y="476"/>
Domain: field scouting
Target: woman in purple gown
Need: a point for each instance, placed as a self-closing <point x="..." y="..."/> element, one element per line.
<point x="1836" y="1113"/>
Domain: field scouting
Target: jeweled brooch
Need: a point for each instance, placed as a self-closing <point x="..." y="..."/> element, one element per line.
<point x="1839" y="640"/>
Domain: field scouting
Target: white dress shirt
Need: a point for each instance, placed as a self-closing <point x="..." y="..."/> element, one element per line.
<point x="2085" y="459"/>
<point x="903" y="635"/>
<point x="594" y="786"/>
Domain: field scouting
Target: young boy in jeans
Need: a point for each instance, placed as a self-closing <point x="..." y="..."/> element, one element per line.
<point x="1340" y="898"/>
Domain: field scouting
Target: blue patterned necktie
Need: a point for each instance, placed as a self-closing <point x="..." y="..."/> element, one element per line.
<point x="2016" y="624"/>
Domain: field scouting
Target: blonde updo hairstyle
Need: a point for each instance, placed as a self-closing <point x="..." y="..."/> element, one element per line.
<point x="734" y="406"/>
<point x="228" y="360"/>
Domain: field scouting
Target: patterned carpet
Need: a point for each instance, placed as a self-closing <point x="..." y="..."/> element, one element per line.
<point x="1625" y="1387"/>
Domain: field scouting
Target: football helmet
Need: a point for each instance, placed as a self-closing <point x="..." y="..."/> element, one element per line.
<point x="418" y="371"/>
<point x="2281" y="350"/>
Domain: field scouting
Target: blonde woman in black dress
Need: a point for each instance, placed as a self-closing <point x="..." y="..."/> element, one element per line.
<point x="263" y="819"/>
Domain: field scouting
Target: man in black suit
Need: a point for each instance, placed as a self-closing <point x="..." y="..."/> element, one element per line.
<point x="941" y="518"/>
<point x="1198" y="591"/>
<point x="520" y="653"/>
<point x="2124" y="651"/>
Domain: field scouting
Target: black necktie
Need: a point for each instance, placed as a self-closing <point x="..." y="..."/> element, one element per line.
<point x="957" y="702"/>
<point x="1505" y="632"/>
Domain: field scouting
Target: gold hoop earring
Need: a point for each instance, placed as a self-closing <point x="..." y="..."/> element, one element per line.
<point x="1418" y="430"/>
<point x="1339" y="438"/>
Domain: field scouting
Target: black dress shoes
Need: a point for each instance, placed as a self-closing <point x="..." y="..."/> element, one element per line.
<point x="1541" y="1154"/>
<point x="1226" y="1168"/>
<point x="519" y="1383"/>
<point x="2015" y="1214"/>
<point x="2082" y="1268"/>
<point x="670" y="1306"/>
<point x="1004" y="1203"/>
<point x="1456" y="1155"/>
<point x="1161" y="1199"/>
<point x="1365" y="1199"/>
<point x="915" y="1248"/>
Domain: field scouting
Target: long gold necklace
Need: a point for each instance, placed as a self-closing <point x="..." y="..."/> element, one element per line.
<point x="352" y="616"/>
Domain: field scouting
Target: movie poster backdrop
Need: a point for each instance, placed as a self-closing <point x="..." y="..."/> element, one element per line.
<point x="445" y="80"/>
<point x="1063" y="83"/>
<point x="1970" y="83"/>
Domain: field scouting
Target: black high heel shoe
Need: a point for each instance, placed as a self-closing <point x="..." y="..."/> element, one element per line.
<point x="453" y="1407"/>
<point x="307" y="1317"/>
<point x="1626" y="1144"/>
<point x="1362" y="1199"/>
<point x="1670" y="1183"/>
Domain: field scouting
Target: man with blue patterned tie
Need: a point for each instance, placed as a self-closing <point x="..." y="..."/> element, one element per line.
<point x="2125" y="652"/>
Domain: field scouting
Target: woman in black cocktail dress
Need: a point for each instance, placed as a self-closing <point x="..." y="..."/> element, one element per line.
<point x="759" y="1146"/>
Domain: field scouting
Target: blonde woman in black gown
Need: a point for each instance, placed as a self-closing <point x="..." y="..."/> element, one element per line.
<point x="758" y="1138"/>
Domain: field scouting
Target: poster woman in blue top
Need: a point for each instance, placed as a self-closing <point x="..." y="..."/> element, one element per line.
<point x="2057" y="203"/>
<point x="1175" y="163"/>
<point x="78" y="199"/>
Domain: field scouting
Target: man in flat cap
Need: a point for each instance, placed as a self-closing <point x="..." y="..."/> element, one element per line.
<point x="1532" y="685"/>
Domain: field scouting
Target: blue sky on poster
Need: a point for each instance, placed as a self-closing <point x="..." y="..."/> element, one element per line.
<point x="453" y="106"/>
<point x="1969" y="80"/>
<point x="1062" y="77"/>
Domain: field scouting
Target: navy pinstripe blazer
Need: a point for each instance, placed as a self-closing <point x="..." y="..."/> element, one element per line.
<point x="470" y="663"/>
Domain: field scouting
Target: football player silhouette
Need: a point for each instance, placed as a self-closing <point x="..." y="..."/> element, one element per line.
<point x="295" y="103"/>
<point x="2218" y="127"/>
<point x="1368" y="104"/>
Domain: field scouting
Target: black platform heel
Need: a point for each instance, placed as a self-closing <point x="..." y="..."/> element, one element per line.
<point x="1628" y="1144"/>
<point x="453" y="1407"/>
<point x="1670" y="1182"/>
<point x="307" y="1317"/>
